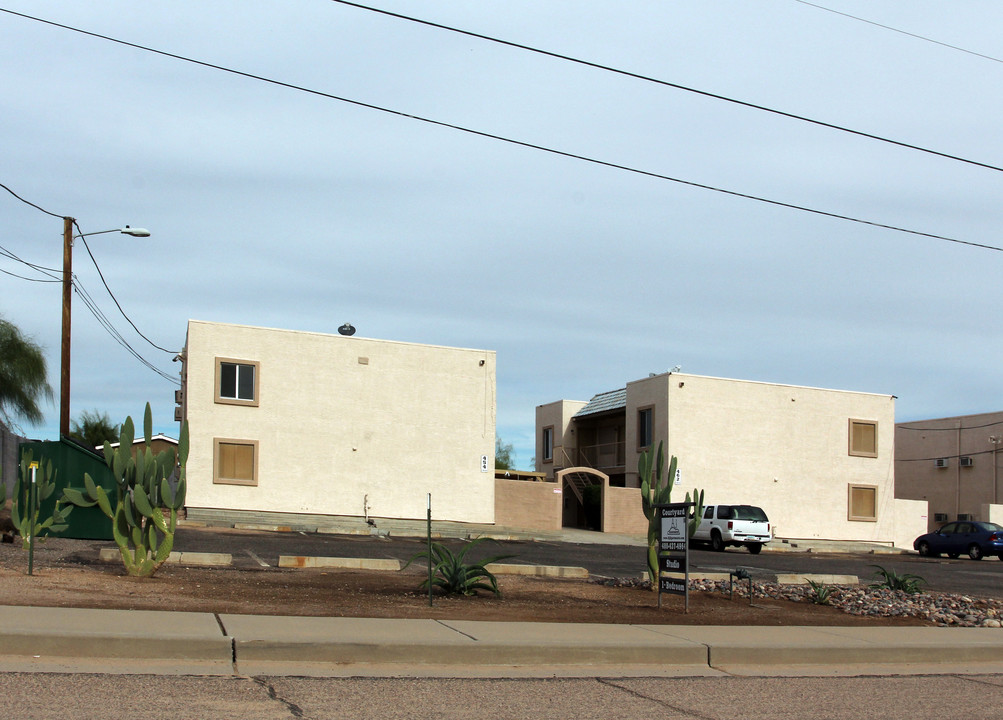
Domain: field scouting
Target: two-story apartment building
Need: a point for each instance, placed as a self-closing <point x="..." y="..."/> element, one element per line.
<point x="819" y="462"/>
<point x="309" y="423"/>
<point x="952" y="463"/>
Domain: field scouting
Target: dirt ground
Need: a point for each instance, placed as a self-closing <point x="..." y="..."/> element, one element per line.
<point x="67" y="573"/>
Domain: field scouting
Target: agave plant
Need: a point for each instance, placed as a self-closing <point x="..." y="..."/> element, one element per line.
<point x="455" y="576"/>
<point x="890" y="580"/>
<point x="819" y="593"/>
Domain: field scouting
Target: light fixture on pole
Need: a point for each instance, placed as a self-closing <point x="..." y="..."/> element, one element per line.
<point x="64" y="376"/>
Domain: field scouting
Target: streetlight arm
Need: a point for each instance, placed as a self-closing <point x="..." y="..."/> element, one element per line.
<point x="135" y="232"/>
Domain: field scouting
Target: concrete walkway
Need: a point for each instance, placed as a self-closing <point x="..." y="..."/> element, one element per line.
<point x="120" y="641"/>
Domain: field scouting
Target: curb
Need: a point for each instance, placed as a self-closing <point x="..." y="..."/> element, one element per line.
<point x="110" y="640"/>
<point x="302" y="561"/>
<point x="176" y="558"/>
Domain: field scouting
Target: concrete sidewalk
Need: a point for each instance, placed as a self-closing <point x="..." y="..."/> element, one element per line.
<point x="120" y="641"/>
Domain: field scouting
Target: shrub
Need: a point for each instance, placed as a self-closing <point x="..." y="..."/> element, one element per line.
<point x="456" y="577"/>
<point x="819" y="593"/>
<point x="890" y="580"/>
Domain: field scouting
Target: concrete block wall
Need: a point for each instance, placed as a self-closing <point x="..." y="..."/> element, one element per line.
<point x="622" y="511"/>
<point x="528" y="505"/>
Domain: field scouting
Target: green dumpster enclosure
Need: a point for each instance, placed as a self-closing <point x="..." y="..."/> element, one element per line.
<point x="69" y="463"/>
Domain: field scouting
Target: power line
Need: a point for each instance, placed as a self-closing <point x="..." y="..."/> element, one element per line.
<point x="37" y="268"/>
<point x="893" y="29"/>
<point x="110" y="293"/>
<point x="520" y="143"/>
<point x="105" y="323"/>
<point x="666" y="83"/>
<point x="26" y="202"/>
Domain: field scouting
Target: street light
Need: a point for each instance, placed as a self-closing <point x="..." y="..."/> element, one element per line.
<point x="64" y="379"/>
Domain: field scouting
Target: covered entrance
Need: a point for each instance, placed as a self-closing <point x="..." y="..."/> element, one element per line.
<point x="584" y="491"/>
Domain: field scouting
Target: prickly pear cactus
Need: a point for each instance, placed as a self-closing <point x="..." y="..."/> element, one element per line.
<point x="655" y="491"/>
<point x="145" y="512"/>
<point x="25" y="510"/>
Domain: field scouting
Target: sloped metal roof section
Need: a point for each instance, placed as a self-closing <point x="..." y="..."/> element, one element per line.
<point x="604" y="402"/>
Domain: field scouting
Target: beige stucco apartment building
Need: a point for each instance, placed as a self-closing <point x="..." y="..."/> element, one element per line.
<point x="819" y="462"/>
<point x="300" y="422"/>
<point x="953" y="464"/>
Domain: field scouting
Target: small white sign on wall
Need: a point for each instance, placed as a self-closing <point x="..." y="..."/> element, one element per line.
<point x="679" y="476"/>
<point x="484" y="463"/>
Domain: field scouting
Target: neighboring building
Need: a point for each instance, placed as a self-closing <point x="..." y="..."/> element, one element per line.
<point x="300" y="422"/>
<point x="819" y="462"/>
<point x="953" y="464"/>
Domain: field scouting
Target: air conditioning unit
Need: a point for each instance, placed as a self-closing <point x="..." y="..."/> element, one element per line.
<point x="967" y="462"/>
<point x="964" y="516"/>
<point x="940" y="517"/>
<point x="940" y="462"/>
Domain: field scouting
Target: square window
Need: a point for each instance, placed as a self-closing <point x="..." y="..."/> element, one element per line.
<point x="862" y="503"/>
<point x="236" y="382"/>
<point x="863" y="438"/>
<point x="235" y="462"/>
<point x="644" y="427"/>
<point x="548" y="444"/>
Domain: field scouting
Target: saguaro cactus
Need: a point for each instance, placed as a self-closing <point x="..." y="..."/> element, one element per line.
<point x="26" y="508"/>
<point x="145" y="515"/>
<point x="655" y="491"/>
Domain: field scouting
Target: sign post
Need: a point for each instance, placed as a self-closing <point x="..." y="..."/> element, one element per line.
<point x="673" y="551"/>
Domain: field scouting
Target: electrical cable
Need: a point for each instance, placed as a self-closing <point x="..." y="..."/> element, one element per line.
<point x="520" y="143"/>
<point x="21" y="198"/>
<point x="666" y="83"/>
<point x="102" y="319"/>
<point x="902" y="32"/>
<point x="119" y="306"/>
<point x="38" y="268"/>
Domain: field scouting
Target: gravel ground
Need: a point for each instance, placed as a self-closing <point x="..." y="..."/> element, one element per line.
<point x="939" y="608"/>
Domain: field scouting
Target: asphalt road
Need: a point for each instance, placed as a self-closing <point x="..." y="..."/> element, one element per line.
<point x="83" y="697"/>
<point x="251" y="548"/>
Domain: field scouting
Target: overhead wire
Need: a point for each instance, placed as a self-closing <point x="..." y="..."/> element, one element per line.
<point x="103" y="320"/>
<point x="897" y="30"/>
<point x="112" y="295"/>
<point x="666" y="83"/>
<point x="522" y="143"/>
<point x="82" y="293"/>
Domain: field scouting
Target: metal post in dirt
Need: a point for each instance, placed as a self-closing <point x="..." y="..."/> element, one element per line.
<point x="429" y="534"/>
<point x="32" y="510"/>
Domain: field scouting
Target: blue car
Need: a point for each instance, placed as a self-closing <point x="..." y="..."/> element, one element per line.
<point x="975" y="538"/>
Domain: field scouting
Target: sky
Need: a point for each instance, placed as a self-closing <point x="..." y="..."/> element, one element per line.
<point x="308" y="208"/>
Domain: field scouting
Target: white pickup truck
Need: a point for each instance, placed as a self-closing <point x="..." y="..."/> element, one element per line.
<point x="724" y="525"/>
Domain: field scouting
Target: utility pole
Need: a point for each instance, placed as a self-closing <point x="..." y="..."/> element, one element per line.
<point x="64" y="377"/>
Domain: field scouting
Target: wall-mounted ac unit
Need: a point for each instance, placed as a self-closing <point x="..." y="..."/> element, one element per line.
<point x="964" y="516"/>
<point x="940" y="462"/>
<point x="940" y="517"/>
<point x="967" y="462"/>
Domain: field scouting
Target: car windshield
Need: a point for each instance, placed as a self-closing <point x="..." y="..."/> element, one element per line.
<point x="749" y="512"/>
<point x="989" y="527"/>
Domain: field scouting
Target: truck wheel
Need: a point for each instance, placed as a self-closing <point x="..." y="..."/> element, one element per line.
<point x="716" y="541"/>
<point x="754" y="548"/>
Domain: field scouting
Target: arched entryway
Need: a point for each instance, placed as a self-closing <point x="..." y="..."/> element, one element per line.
<point x="584" y="491"/>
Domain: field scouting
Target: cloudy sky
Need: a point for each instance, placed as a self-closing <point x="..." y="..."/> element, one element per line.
<point x="306" y="208"/>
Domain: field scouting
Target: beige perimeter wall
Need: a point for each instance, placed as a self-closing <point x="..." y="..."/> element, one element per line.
<point x="342" y="421"/>
<point x="528" y="505"/>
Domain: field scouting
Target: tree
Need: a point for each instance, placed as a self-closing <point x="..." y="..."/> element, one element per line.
<point x="94" y="428"/>
<point x="23" y="375"/>
<point x="504" y="455"/>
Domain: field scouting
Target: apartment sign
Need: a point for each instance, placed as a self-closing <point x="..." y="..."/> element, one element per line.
<point x="673" y="551"/>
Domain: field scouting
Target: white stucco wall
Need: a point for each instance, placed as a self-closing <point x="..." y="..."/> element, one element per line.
<point x="340" y="418"/>
<point x="784" y="448"/>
